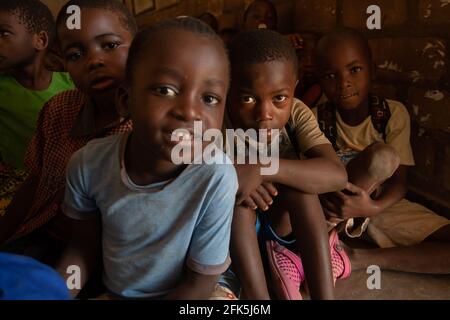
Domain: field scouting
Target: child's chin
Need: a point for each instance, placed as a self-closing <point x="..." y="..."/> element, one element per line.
<point x="349" y="104"/>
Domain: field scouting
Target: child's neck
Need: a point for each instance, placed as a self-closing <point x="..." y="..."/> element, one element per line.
<point x="145" y="167"/>
<point x="356" y="116"/>
<point x="34" y="76"/>
<point x="105" y="111"/>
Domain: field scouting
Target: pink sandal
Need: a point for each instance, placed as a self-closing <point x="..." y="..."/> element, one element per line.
<point x="340" y="261"/>
<point x="286" y="271"/>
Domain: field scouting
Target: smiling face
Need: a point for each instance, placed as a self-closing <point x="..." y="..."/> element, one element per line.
<point x="345" y="73"/>
<point x="185" y="79"/>
<point x="262" y="95"/>
<point x="16" y="43"/>
<point x="96" y="54"/>
<point x="260" y="14"/>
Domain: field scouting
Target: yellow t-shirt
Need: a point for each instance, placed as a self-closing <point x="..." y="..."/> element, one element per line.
<point x="357" y="138"/>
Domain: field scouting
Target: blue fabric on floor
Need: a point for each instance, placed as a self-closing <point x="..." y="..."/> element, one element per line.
<point x="23" y="278"/>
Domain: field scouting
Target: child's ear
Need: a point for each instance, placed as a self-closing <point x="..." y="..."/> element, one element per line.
<point x="40" y="41"/>
<point x="122" y="101"/>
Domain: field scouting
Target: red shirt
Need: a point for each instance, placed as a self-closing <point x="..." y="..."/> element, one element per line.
<point x="66" y="123"/>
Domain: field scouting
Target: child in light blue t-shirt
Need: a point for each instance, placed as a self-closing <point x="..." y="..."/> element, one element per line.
<point x="165" y="226"/>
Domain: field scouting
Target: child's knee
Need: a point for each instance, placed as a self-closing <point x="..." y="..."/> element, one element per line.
<point x="382" y="160"/>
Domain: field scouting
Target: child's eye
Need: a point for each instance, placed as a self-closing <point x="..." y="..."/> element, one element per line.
<point x="211" y="100"/>
<point x="280" y="98"/>
<point x="4" y="33"/>
<point x="247" y="99"/>
<point x="330" y="76"/>
<point x="356" y="69"/>
<point x="73" y="56"/>
<point x="111" y="45"/>
<point x="165" y="91"/>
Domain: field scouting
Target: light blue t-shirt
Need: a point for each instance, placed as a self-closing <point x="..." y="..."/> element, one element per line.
<point x="152" y="233"/>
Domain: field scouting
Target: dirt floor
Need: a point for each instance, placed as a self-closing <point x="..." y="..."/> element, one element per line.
<point x="395" y="286"/>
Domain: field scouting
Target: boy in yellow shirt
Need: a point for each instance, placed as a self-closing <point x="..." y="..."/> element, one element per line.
<point x="371" y="135"/>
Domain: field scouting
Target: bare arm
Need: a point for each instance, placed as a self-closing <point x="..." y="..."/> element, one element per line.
<point x="194" y="286"/>
<point x="394" y="190"/>
<point x="18" y="209"/>
<point x="84" y="251"/>
<point x="322" y="172"/>
<point x="358" y="203"/>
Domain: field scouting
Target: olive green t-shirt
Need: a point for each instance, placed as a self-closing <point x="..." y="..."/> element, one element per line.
<point x="19" y="110"/>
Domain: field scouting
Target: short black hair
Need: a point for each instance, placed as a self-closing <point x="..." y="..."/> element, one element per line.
<point x="205" y="16"/>
<point x="271" y="5"/>
<point x="146" y="36"/>
<point x="260" y="46"/>
<point x="111" y="5"/>
<point x="344" y="34"/>
<point x="33" y="14"/>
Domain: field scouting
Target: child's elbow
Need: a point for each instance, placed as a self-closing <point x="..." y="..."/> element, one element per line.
<point x="341" y="177"/>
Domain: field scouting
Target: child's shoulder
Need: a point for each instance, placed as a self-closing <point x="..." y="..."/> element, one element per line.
<point x="66" y="103"/>
<point x="301" y="113"/>
<point x="397" y="108"/>
<point x="5" y="77"/>
<point x="98" y="151"/>
<point x="102" y="145"/>
<point x="63" y="80"/>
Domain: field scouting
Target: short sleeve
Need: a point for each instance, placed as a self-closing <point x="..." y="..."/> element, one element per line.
<point x="209" y="250"/>
<point x="306" y="127"/>
<point x="77" y="202"/>
<point x="398" y="132"/>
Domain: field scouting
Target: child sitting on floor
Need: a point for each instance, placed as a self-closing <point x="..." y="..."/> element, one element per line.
<point x="371" y="135"/>
<point x="264" y="73"/>
<point x="27" y="30"/>
<point x="165" y="226"/>
<point x="95" y="56"/>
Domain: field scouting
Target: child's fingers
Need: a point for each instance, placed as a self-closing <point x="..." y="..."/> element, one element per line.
<point x="342" y="196"/>
<point x="249" y="203"/>
<point x="240" y="198"/>
<point x="336" y="198"/>
<point x="330" y="214"/>
<point x="271" y="188"/>
<point x="259" y="201"/>
<point x="353" y="188"/>
<point x="330" y="207"/>
<point x="265" y="195"/>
